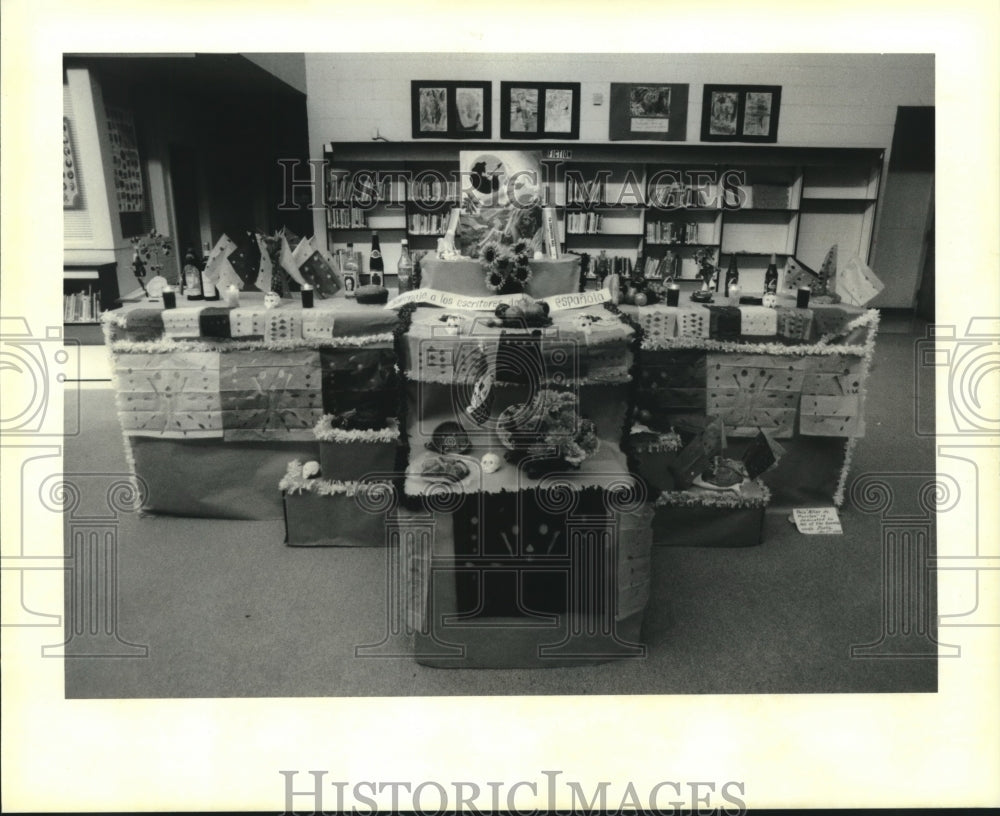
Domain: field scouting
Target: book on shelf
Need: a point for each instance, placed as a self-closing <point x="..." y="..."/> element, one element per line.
<point x="586" y="193"/>
<point x="346" y="218"/>
<point x="583" y="223"/>
<point x="81" y="307"/>
<point x="344" y="188"/>
<point x="428" y="223"/>
<point x="433" y="189"/>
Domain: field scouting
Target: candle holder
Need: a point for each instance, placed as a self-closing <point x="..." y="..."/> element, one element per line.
<point x="802" y="300"/>
<point x="307" y="296"/>
<point x="673" y="294"/>
<point x="169" y="297"/>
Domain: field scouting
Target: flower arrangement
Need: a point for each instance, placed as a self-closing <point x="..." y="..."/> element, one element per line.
<point x="506" y="265"/>
<point x="551" y="421"/>
<point x="148" y="252"/>
<point x="707" y="270"/>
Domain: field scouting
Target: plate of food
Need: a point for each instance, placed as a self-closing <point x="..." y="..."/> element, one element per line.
<point x="445" y="468"/>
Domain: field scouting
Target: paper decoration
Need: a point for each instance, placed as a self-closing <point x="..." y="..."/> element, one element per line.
<point x="266" y="269"/>
<point x="827" y="415"/>
<point x="857" y="284"/>
<point x="798" y="274"/>
<point x="693" y="322"/>
<point x="71" y="174"/>
<point x="833" y="375"/>
<point x="817" y="520"/>
<point x="762" y="455"/>
<point x="794" y="324"/>
<point x="659" y="323"/>
<point x="317" y="325"/>
<point x="754" y="392"/>
<point x="826" y="278"/>
<point x="319" y="273"/>
<point x="288" y="263"/>
<point x="182" y="322"/>
<point x="724" y="322"/>
<point x="282" y="324"/>
<point x="142" y="324"/>
<point x="218" y="269"/>
<point x="248" y="322"/>
<point x="125" y="162"/>
<point x="245" y="261"/>
<point x="696" y="456"/>
<point x="213" y="321"/>
<point x="758" y="321"/>
<point x="270" y="393"/>
<point x="169" y="395"/>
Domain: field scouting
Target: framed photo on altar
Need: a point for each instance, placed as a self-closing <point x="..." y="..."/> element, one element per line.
<point x="449" y="109"/>
<point x="740" y="113"/>
<point x="648" y="111"/>
<point x="539" y="110"/>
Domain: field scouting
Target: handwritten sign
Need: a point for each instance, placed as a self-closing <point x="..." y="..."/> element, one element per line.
<point x="474" y="303"/>
<point x="817" y="520"/>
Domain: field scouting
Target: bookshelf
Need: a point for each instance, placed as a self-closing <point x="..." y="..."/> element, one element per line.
<point x="637" y="203"/>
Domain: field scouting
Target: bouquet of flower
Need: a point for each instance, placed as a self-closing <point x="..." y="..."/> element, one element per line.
<point x="148" y="252"/>
<point x="707" y="270"/>
<point x="506" y="265"/>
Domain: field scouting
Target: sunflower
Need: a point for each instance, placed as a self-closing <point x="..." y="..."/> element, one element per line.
<point x="490" y="252"/>
<point x="495" y="280"/>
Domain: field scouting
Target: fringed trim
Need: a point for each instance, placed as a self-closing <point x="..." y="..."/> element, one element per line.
<point x="325" y="432"/>
<point x="869" y="319"/>
<point x="598" y="377"/>
<point x="707" y="344"/>
<point x="294" y="482"/>
<point x="723" y="499"/>
<point x="169" y="345"/>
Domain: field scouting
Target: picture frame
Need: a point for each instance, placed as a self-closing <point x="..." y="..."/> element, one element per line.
<point x="451" y="109"/>
<point x="642" y="111"/>
<point x="539" y="110"/>
<point x="740" y="113"/>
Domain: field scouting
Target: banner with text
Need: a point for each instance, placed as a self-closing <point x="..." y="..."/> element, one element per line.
<point x="488" y="303"/>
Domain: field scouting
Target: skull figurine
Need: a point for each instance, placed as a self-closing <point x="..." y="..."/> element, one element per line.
<point x="770" y="300"/>
<point x="453" y="325"/>
<point x="310" y="470"/>
<point x="272" y="299"/>
<point x="491" y="463"/>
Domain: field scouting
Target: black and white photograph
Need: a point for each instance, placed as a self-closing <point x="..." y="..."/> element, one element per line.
<point x="375" y="460"/>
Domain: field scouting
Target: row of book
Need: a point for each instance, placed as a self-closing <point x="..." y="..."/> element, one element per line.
<point x="579" y="191"/>
<point x="433" y="189"/>
<point x="346" y="218"/>
<point x="81" y="307"/>
<point x="671" y="232"/>
<point x="360" y="188"/>
<point x="428" y="223"/>
<point x="676" y="195"/>
<point x="659" y="268"/>
<point x="583" y="223"/>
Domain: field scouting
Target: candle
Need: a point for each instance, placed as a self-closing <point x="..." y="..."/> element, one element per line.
<point x="307" y="296"/>
<point x="169" y="298"/>
<point x="802" y="301"/>
<point x="673" y="294"/>
<point x="734" y="294"/>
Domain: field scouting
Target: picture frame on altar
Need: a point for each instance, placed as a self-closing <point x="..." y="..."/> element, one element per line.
<point x="740" y="113"/>
<point x="539" y="110"/>
<point x="642" y="111"/>
<point x="450" y="109"/>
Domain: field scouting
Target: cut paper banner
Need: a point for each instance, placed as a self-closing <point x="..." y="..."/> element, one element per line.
<point x="218" y="269"/>
<point x="857" y="284"/>
<point x="266" y="269"/>
<point x="245" y="260"/>
<point x="287" y="261"/>
<point x="827" y="276"/>
<point x="798" y="274"/>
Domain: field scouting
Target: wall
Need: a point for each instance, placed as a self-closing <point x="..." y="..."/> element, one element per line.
<point x="827" y="100"/>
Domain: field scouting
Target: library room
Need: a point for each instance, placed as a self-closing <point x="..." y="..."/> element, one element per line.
<point x="498" y="374"/>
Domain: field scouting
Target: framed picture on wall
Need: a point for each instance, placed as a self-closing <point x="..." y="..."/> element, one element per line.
<point x="539" y="110"/>
<point x="448" y="109"/>
<point x="740" y="113"/>
<point x="648" y="110"/>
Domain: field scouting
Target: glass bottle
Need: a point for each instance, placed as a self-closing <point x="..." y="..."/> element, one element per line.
<point x="191" y="277"/>
<point x="771" y="275"/>
<point x="404" y="269"/>
<point x="376" y="266"/>
<point x="350" y="271"/>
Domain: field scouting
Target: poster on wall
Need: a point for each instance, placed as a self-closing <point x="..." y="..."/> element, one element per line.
<point x="740" y="113"/>
<point x="501" y="199"/>
<point x="448" y="109"/>
<point x="71" y="175"/>
<point x="647" y="110"/>
<point x="125" y="160"/>
<point x="539" y="110"/>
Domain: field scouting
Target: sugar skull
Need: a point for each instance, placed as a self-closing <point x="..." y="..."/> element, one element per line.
<point x="491" y="463"/>
<point x="271" y="300"/>
<point x="310" y="470"/>
<point x="770" y="300"/>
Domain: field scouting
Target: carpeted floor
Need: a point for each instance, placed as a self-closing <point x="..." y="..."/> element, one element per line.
<point x="226" y="610"/>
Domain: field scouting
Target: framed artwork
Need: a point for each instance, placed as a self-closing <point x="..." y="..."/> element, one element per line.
<point x="740" y="113"/>
<point x="648" y="110"/>
<point x="72" y="199"/>
<point x="448" y="109"/>
<point x="539" y="110"/>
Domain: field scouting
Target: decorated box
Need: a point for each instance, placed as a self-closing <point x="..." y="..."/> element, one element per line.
<point x="354" y="454"/>
<point x="332" y="513"/>
<point x="697" y="517"/>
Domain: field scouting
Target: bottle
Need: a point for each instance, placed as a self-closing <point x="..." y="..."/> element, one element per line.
<point x="771" y="275"/>
<point x="732" y="274"/>
<point x="404" y="269"/>
<point x="376" y="266"/>
<point x="191" y="277"/>
<point x="350" y="271"/>
<point x="208" y="287"/>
